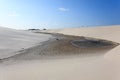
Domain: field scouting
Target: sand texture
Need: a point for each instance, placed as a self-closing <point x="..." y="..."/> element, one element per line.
<point x="60" y="59"/>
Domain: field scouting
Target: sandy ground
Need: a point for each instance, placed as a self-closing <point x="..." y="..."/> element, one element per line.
<point x="99" y="66"/>
<point x="103" y="32"/>
<point x="12" y="41"/>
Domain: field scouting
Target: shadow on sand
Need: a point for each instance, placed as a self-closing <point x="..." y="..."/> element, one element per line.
<point x="64" y="45"/>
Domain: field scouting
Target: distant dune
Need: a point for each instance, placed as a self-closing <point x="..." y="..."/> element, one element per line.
<point x="103" y="32"/>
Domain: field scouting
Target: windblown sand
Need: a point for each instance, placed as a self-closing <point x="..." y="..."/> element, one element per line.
<point x="12" y="41"/>
<point x="102" y="65"/>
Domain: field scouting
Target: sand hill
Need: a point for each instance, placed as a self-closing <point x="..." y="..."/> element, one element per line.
<point x="12" y="41"/>
<point x="96" y="67"/>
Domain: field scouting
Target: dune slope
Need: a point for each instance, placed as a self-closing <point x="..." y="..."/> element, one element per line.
<point x="12" y="41"/>
<point x="97" y="67"/>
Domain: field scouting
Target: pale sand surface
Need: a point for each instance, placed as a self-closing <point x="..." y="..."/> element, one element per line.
<point x="92" y="67"/>
<point x="12" y="41"/>
<point x="103" y="32"/>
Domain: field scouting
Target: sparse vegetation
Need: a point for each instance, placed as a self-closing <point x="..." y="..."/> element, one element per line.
<point x="44" y="29"/>
<point x="33" y="29"/>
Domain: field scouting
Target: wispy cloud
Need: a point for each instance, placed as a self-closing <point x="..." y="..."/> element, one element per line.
<point x="63" y="9"/>
<point x="13" y="15"/>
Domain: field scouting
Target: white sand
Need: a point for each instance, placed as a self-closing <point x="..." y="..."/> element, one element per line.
<point x="103" y="32"/>
<point x="104" y="67"/>
<point x="12" y="41"/>
<point x="91" y="68"/>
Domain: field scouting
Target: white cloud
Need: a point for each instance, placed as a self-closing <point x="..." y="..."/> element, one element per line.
<point x="13" y="15"/>
<point x="63" y="9"/>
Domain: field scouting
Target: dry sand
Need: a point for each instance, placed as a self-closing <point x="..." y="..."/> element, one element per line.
<point x="91" y="67"/>
<point x="12" y="41"/>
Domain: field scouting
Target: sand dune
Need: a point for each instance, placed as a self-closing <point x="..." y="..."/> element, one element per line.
<point x="91" y="67"/>
<point x="103" y="32"/>
<point x="63" y="46"/>
<point x="12" y="41"/>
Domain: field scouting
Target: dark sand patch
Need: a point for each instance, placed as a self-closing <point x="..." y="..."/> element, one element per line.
<point x="64" y="45"/>
<point x="93" y="43"/>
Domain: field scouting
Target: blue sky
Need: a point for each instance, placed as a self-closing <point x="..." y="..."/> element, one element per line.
<point x="22" y="14"/>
